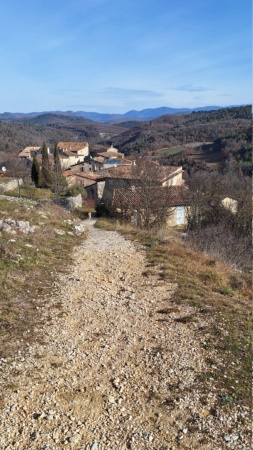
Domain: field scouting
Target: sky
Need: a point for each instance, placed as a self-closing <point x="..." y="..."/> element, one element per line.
<point x="112" y="56"/>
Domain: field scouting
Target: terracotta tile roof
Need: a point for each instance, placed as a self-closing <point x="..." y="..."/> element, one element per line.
<point x="123" y="172"/>
<point x="67" y="173"/>
<point x="27" y="151"/>
<point x="110" y="154"/>
<point x="127" y="172"/>
<point x="88" y="176"/>
<point x="99" y="159"/>
<point x="72" y="146"/>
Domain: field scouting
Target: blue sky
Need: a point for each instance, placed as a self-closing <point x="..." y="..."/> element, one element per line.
<point x="117" y="55"/>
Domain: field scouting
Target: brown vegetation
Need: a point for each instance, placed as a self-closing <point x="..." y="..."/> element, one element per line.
<point x="51" y="128"/>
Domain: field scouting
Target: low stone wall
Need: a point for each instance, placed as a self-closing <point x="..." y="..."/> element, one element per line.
<point x="10" y="186"/>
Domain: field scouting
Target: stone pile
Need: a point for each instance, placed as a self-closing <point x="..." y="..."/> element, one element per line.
<point x="13" y="226"/>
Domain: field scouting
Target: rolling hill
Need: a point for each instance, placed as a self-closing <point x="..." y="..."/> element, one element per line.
<point x="15" y="135"/>
<point x="145" y="114"/>
<point x="204" y="136"/>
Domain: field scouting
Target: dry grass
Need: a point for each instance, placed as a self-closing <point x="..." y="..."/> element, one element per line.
<point x="219" y="294"/>
<point x="5" y="180"/>
<point x="31" y="192"/>
<point x="28" y="265"/>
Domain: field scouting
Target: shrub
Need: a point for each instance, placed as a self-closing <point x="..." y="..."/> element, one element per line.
<point x="219" y="242"/>
<point x="76" y="190"/>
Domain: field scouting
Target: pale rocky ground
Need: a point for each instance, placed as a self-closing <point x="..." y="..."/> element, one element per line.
<point x="110" y="374"/>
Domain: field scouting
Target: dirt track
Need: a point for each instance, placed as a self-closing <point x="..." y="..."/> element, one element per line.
<point x="113" y="372"/>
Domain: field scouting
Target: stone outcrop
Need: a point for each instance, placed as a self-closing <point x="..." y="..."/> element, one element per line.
<point x="74" y="202"/>
<point x="12" y="185"/>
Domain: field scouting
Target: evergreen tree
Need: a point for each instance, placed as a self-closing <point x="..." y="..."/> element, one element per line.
<point x="58" y="181"/>
<point x="36" y="172"/>
<point x="46" y="169"/>
<point x="57" y="163"/>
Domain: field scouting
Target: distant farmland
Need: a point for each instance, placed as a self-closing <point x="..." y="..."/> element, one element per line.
<point x="169" y="151"/>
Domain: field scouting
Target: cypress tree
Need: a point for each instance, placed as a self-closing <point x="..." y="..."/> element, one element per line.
<point x="57" y="163"/>
<point x="46" y="169"/>
<point x="36" y="172"/>
<point x="59" y="183"/>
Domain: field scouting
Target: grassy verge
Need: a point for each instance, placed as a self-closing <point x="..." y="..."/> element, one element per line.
<point x="5" y="180"/>
<point x="28" y="265"/>
<point x="30" y="192"/>
<point x="220" y="296"/>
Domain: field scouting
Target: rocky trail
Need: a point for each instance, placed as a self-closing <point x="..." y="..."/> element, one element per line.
<point x="113" y="372"/>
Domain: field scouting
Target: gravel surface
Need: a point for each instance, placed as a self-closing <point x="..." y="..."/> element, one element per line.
<point x="112" y="372"/>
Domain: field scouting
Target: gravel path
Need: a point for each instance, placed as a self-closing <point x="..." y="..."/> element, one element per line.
<point x="113" y="373"/>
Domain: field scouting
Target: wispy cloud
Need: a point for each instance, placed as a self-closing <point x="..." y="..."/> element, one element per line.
<point x="68" y="91"/>
<point x="189" y="88"/>
<point x="132" y="92"/>
<point x="225" y="95"/>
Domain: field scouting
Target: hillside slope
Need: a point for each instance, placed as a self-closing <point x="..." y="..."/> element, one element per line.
<point x="174" y="130"/>
<point x="51" y="128"/>
<point x="173" y="133"/>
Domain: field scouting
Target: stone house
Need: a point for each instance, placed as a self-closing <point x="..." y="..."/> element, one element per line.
<point x="124" y="177"/>
<point x="93" y="184"/>
<point x="29" y="152"/>
<point x="74" y="153"/>
<point x="171" y="176"/>
<point x="167" y="203"/>
<point x="70" y="153"/>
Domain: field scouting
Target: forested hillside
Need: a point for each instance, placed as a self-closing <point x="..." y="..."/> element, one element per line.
<point x="172" y="130"/>
<point x="211" y="137"/>
<point x="14" y="136"/>
<point x="215" y="138"/>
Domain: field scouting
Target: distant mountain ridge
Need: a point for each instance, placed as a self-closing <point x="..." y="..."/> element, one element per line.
<point x="145" y="114"/>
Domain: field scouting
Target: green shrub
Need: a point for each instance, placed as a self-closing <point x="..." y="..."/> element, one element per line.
<point x="76" y="190"/>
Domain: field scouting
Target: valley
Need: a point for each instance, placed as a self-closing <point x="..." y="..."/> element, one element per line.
<point x="177" y="133"/>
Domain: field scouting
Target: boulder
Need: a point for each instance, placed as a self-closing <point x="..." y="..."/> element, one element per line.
<point x="75" y="202"/>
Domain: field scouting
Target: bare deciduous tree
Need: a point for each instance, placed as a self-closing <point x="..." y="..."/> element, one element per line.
<point x="147" y="200"/>
<point x="17" y="168"/>
<point x="216" y="228"/>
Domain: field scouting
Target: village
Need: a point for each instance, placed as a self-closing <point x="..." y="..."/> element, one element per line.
<point x="110" y="179"/>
